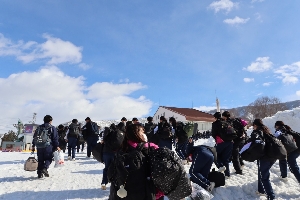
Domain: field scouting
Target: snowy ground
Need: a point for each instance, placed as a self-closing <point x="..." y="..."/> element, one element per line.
<point x="81" y="179"/>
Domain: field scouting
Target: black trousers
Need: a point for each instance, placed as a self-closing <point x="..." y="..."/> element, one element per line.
<point x="236" y="154"/>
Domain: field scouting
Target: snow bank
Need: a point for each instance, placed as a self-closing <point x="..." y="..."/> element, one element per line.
<point x="289" y="117"/>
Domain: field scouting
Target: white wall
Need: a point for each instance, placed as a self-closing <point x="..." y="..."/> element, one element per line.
<point x="167" y="114"/>
<point x="204" y="126"/>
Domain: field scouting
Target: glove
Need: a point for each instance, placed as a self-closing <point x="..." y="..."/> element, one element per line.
<point x="33" y="149"/>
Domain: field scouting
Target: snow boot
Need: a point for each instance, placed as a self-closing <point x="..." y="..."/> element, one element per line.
<point x="45" y="172"/>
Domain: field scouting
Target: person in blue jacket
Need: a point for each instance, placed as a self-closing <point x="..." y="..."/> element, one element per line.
<point x="45" y="149"/>
<point x="203" y="158"/>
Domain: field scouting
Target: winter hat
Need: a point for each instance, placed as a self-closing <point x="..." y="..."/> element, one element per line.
<point x="87" y="119"/>
<point x="74" y="121"/>
<point x="217" y="115"/>
<point x="123" y="119"/>
<point x="279" y="123"/>
<point x="226" y="114"/>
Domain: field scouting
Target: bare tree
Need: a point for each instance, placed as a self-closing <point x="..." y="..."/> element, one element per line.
<point x="265" y="107"/>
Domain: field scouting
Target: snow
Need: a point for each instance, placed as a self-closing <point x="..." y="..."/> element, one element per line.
<point x="289" y="117"/>
<point x="81" y="179"/>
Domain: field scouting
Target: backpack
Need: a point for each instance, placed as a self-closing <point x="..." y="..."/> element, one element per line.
<point x="95" y="128"/>
<point x="255" y="151"/>
<point x="113" y="138"/>
<point x="296" y="137"/>
<point x="217" y="177"/>
<point x="131" y="170"/>
<point x="164" y="131"/>
<point x="149" y="127"/>
<point x="42" y="137"/>
<point x="274" y="147"/>
<point x="98" y="152"/>
<point x="190" y="128"/>
<point x="168" y="174"/>
<point x="227" y="131"/>
<point x="238" y="127"/>
<point x="288" y="141"/>
<point x="74" y="131"/>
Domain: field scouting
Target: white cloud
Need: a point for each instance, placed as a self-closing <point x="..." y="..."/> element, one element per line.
<point x="258" y="17"/>
<point x="50" y="91"/>
<point x="267" y="84"/>
<point x="260" y="65"/>
<point x="248" y="80"/>
<point x="226" y="5"/>
<point x="205" y="108"/>
<point x="254" y="1"/>
<point x="84" y="66"/>
<point x="289" y="73"/>
<point x="236" y="20"/>
<point x="259" y="94"/>
<point x="53" y="51"/>
<point x="298" y="93"/>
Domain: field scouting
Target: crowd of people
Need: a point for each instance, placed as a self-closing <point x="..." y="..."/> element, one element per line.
<point x="229" y="134"/>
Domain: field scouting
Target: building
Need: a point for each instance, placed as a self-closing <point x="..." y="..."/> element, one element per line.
<point x="204" y="120"/>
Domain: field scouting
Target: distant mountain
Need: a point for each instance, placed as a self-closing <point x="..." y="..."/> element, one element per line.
<point x="241" y="111"/>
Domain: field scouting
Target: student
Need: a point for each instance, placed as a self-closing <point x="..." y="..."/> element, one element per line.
<point x="224" y="147"/>
<point x="45" y="149"/>
<point x="136" y="183"/>
<point x="292" y="156"/>
<point x="203" y="158"/>
<point x="264" y="163"/>
<point x="164" y="133"/>
<point x="122" y="124"/>
<point x="181" y="138"/>
<point x="92" y="135"/>
<point x="72" y="137"/>
<point x="236" y="145"/>
<point x="61" y="135"/>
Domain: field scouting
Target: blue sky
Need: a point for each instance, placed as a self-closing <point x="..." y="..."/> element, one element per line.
<point x="108" y="59"/>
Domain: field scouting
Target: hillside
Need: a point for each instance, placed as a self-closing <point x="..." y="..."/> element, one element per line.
<point x="241" y="111"/>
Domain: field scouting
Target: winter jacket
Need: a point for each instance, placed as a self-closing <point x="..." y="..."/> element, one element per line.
<point x="191" y="149"/>
<point x="259" y="135"/>
<point x="106" y="148"/>
<point x="89" y="132"/>
<point x="140" y="192"/>
<point x="181" y="135"/>
<point x="70" y="131"/>
<point x="53" y="135"/>
<point x="216" y="128"/>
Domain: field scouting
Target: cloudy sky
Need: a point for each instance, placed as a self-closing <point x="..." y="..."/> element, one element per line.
<point x="109" y="59"/>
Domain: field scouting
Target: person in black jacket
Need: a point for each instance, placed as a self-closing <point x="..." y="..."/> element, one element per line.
<point x="45" y="154"/>
<point x="149" y="131"/>
<point x="291" y="157"/>
<point x="264" y="163"/>
<point x="91" y="135"/>
<point x="61" y="137"/>
<point x="164" y="133"/>
<point x="224" y="147"/>
<point x="72" y="137"/>
<point x="122" y="124"/>
<point x="108" y="155"/>
<point x="236" y="146"/>
<point x="181" y="138"/>
<point x="203" y="158"/>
